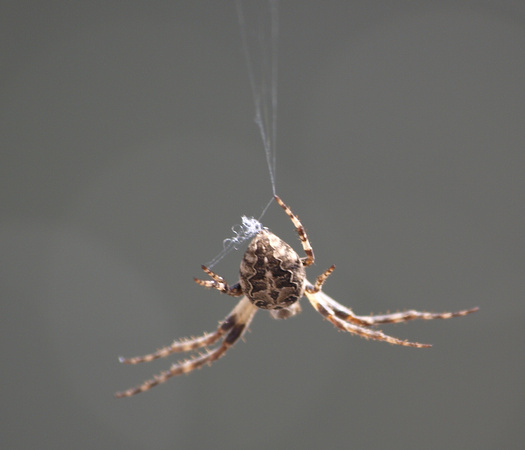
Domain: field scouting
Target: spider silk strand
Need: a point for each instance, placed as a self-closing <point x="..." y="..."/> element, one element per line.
<point x="259" y="40"/>
<point x="261" y="61"/>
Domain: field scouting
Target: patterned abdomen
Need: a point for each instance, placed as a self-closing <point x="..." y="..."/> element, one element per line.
<point x="272" y="275"/>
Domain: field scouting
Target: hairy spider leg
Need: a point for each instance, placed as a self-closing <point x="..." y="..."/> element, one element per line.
<point x="347" y="315"/>
<point x="402" y="316"/>
<point x="307" y="247"/>
<point x="232" y="328"/>
<point x="217" y="282"/>
<point x="323" y="307"/>
<point x="320" y="280"/>
<point x="344" y="319"/>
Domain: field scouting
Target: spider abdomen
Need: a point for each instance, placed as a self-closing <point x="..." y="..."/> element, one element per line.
<point x="272" y="275"/>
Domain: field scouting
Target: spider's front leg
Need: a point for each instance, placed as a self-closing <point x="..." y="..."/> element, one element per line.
<point x="338" y="310"/>
<point x="230" y="330"/>
<point x="345" y="319"/>
<point x="333" y="312"/>
<point x="347" y="315"/>
<point x="405" y="316"/>
<point x="217" y="282"/>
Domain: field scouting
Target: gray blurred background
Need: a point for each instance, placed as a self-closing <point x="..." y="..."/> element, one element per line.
<point x="128" y="151"/>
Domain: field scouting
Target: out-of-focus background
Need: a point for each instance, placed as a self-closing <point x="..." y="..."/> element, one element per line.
<point x="127" y="153"/>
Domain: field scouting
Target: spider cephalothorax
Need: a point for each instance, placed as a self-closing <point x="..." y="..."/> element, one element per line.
<point x="272" y="277"/>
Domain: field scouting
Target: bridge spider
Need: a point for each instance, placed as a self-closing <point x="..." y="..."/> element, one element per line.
<point x="272" y="277"/>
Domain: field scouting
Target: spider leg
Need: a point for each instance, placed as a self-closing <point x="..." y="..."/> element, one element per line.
<point x="405" y="316"/>
<point x="235" y="325"/>
<point x="185" y="344"/>
<point x="323" y="307"/>
<point x="307" y="247"/>
<point x="340" y="311"/>
<point x="347" y="315"/>
<point x="217" y="282"/>
<point x="320" y="280"/>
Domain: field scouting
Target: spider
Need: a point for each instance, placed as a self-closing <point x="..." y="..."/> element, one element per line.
<point x="272" y="277"/>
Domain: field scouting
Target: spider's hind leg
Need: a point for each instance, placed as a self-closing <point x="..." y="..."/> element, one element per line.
<point x="307" y="247"/>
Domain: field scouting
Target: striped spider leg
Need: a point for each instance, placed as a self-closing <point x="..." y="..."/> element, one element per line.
<point x="345" y="319"/>
<point x="229" y="330"/>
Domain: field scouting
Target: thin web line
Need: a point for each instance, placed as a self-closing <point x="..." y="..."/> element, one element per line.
<point x="259" y="40"/>
<point x="263" y="83"/>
